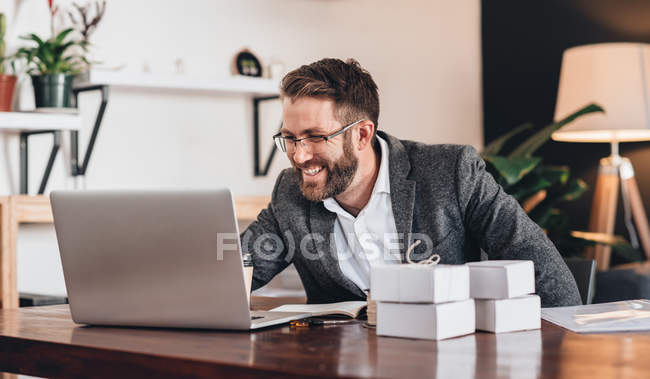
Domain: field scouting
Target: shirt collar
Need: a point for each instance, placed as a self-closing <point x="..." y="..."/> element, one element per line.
<point x="382" y="184"/>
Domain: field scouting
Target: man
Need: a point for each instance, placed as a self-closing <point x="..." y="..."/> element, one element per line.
<point x="357" y="197"/>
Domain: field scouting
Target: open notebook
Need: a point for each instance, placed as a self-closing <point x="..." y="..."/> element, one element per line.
<point x="344" y="308"/>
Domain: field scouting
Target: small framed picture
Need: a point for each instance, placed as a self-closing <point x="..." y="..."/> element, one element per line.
<point x="247" y="64"/>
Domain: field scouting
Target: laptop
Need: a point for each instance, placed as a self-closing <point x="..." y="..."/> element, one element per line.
<point x="155" y="259"/>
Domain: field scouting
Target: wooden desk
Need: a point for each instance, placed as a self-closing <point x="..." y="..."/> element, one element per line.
<point x="19" y="209"/>
<point x="44" y="341"/>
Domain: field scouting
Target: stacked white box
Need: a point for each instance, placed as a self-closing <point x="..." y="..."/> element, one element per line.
<point x="508" y="315"/>
<point x="503" y="291"/>
<point x="501" y="279"/>
<point x="422" y="301"/>
<point x="413" y="283"/>
<point x="427" y="321"/>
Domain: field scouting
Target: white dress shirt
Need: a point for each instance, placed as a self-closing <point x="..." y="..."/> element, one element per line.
<point x="371" y="237"/>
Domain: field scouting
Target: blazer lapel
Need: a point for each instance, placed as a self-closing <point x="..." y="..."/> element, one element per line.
<point x="322" y="227"/>
<point x="402" y="190"/>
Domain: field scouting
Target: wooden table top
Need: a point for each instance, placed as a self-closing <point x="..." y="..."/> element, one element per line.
<point x="43" y="341"/>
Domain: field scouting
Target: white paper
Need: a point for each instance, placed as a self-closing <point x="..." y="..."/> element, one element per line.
<point x="620" y="316"/>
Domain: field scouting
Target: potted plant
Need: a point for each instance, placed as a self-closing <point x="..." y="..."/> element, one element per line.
<point x="541" y="188"/>
<point x="85" y="19"/>
<point x="52" y="65"/>
<point x="7" y="81"/>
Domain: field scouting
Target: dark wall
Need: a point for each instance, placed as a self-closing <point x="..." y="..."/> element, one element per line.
<point x="522" y="43"/>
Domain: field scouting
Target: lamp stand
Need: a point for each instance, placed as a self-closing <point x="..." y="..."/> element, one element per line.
<point x="612" y="172"/>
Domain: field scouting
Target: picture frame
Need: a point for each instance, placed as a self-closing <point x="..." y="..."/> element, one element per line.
<point x="246" y="63"/>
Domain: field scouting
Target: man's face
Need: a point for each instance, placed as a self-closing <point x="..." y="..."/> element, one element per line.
<point x="325" y="168"/>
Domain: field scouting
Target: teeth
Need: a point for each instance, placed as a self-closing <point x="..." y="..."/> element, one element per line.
<point x="313" y="171"/>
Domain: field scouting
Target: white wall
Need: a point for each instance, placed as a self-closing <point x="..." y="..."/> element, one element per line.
<point x="423" y="54"/>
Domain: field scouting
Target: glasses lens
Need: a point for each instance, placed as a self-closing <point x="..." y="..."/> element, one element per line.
<point x="288" y="145"/>
<point x="281" y="143"/>
<point x="313" y="144"/>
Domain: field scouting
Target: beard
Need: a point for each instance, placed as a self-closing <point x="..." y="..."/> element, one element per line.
<point x="339" y="174"/>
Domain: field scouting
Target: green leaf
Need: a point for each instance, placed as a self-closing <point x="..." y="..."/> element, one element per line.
<point x="60" y="50"/>
<point x="556" y="221"/>
<point x="495" y="146"/>
<point x="59" y="38"/>
<point x="32" y="37"/>
<point x="530" y="185"/>
<point x="535" y="141"/>
<point x="574" y="190"/>
<point x="52" y="56"/>
<point x="512" y="170"/>
<point x="555" y="174"/>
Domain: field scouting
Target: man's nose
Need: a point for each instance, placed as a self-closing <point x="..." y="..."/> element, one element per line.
<point x="301" y="154"/>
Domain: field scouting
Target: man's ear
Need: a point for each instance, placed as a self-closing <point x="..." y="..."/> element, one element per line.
<point x="366" y="128"/>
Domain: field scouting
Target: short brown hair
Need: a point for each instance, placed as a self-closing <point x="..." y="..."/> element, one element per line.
<point x="346" y="83"/>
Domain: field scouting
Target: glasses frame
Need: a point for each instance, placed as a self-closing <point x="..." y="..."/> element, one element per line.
<point x="278" y="137"/>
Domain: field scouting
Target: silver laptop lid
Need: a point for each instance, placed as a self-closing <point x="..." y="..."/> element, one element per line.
<point x="152" y="258"/>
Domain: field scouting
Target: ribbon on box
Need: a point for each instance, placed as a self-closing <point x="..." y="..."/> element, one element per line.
<point x="432" y="260"/>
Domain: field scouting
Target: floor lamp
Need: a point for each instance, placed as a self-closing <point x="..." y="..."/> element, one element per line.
<point x="617" y="77"/>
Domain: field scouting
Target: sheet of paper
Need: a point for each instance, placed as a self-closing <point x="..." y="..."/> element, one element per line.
<point x="350" y="308"/>
<point x="620" y="316"/>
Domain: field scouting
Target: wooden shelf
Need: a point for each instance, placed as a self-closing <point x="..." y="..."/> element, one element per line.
<point x="239" y="85"/>
<point x="16" y="122"/>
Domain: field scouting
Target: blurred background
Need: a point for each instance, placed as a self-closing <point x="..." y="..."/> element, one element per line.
<point x="463" y="72"/>
<point x="424" y="56"/>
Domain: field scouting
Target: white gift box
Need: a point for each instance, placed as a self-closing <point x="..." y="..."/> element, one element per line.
<point x="501" y="279"/>
<point x="416" y="283"/>
<point x="508" y="315"/>
<point x="426" y="321"/>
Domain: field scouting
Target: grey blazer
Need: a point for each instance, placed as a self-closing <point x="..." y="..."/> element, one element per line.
<point x="442" y="191"/>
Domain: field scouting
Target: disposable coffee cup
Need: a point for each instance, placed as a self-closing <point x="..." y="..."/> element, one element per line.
<point x="248" y="274"/>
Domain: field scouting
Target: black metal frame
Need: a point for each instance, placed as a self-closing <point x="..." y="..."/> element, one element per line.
<point x="256" y="138"/>
<point x="77" y="169"/>
<point x="24" y="158"/>
<point x="74" y="135"/>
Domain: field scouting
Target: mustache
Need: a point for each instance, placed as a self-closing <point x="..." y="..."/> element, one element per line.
<point x="310" y="164"/>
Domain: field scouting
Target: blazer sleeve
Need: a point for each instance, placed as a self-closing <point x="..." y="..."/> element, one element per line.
<point x="263" y="240"/>
<point x="504" y="231"/>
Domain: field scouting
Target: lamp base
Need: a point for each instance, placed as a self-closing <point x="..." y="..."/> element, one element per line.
<point x="615" y="171"/>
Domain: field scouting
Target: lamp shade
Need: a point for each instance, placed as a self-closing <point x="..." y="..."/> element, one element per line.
<point x="615" y="76"/>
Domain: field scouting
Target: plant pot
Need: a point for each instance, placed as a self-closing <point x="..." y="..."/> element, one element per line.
<point x="7" y="87"/>
<point x="53" y="91"/>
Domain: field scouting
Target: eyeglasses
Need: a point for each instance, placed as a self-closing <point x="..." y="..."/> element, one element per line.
<point x="289" y="144"/>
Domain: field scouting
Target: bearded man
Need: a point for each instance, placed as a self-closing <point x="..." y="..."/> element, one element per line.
<point x="356" y="197"/>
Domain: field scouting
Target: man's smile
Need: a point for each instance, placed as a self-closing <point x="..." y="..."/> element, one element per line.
<point x="312" y="171"/>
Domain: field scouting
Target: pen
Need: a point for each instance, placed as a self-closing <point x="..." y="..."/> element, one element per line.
<point x="318" y="322"/>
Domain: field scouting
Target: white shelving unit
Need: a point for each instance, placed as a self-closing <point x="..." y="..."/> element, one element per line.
<point x="232" y="85"/>
<point x="29" y="123"/>
<point x="258" y="89"/>
<point x="16" y="122"/>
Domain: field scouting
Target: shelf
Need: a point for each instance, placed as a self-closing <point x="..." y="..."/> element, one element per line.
<point x="16" y="122"/>
<point x="233" y="85"/>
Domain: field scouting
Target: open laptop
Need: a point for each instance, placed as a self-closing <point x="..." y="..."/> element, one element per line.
<point x="155" y="259"/>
